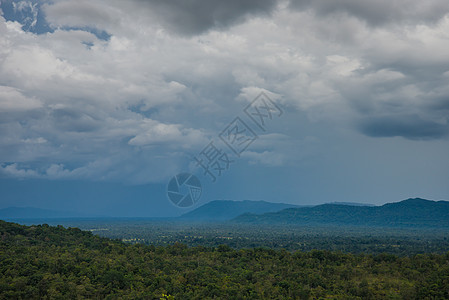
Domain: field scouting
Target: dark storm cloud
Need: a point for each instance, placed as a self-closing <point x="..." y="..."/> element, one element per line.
<point x="379" y="12"/>
<point x="74" y="121"/>
<point x="440" y="104"/>
<point x="197" y="16"/>
<point x="409" y="126"/>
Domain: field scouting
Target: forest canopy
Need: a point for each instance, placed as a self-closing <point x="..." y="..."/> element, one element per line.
<point x="49" y="262"/>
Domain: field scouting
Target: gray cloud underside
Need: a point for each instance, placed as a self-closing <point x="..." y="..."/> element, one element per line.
<point x="411" y="127"/>
<point x="380" y="12"/>
<point x="197" y="16"/>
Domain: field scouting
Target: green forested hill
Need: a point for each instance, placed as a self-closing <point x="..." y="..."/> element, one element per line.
<point x="417" y="213"/>
<point x="44" y="262"/>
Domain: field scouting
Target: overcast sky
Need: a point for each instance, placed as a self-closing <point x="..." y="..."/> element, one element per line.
<point x="102" y="102"/>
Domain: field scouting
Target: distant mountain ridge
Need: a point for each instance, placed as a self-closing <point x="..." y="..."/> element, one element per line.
<point x="33" y="212"/>
<point x="222" y="210"/>
<point x="414" y="212"/>
<point x="351" y="203"/>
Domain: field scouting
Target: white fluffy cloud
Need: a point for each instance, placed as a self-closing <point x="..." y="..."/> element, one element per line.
<point x="12" y="100"/>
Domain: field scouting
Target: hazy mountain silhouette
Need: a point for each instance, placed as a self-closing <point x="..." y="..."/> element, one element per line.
<point x="221" y="210"/>
<point x="36" y="213"/>
<point x="351" y="203"/>
<point x="408" y="213"/>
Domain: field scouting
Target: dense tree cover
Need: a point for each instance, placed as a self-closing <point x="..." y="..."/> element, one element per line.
<point x="48" y="262"/>
<point x="354" y="239"/>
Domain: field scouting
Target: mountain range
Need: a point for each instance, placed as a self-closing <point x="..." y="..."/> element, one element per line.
<point x="414" y="212"/>
<point x="222" y="210"/>
<point x="33" y="212"/>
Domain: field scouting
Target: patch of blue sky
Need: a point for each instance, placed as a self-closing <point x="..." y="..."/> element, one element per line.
<point x="27" y="13"/>
<point x="100" y="34"/>
<point x="32" y="18"/>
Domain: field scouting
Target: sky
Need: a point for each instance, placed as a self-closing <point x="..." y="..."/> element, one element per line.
<point x="103" y="102"/>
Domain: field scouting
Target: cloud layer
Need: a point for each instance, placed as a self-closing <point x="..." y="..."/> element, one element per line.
<point x="130" y="90"/>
